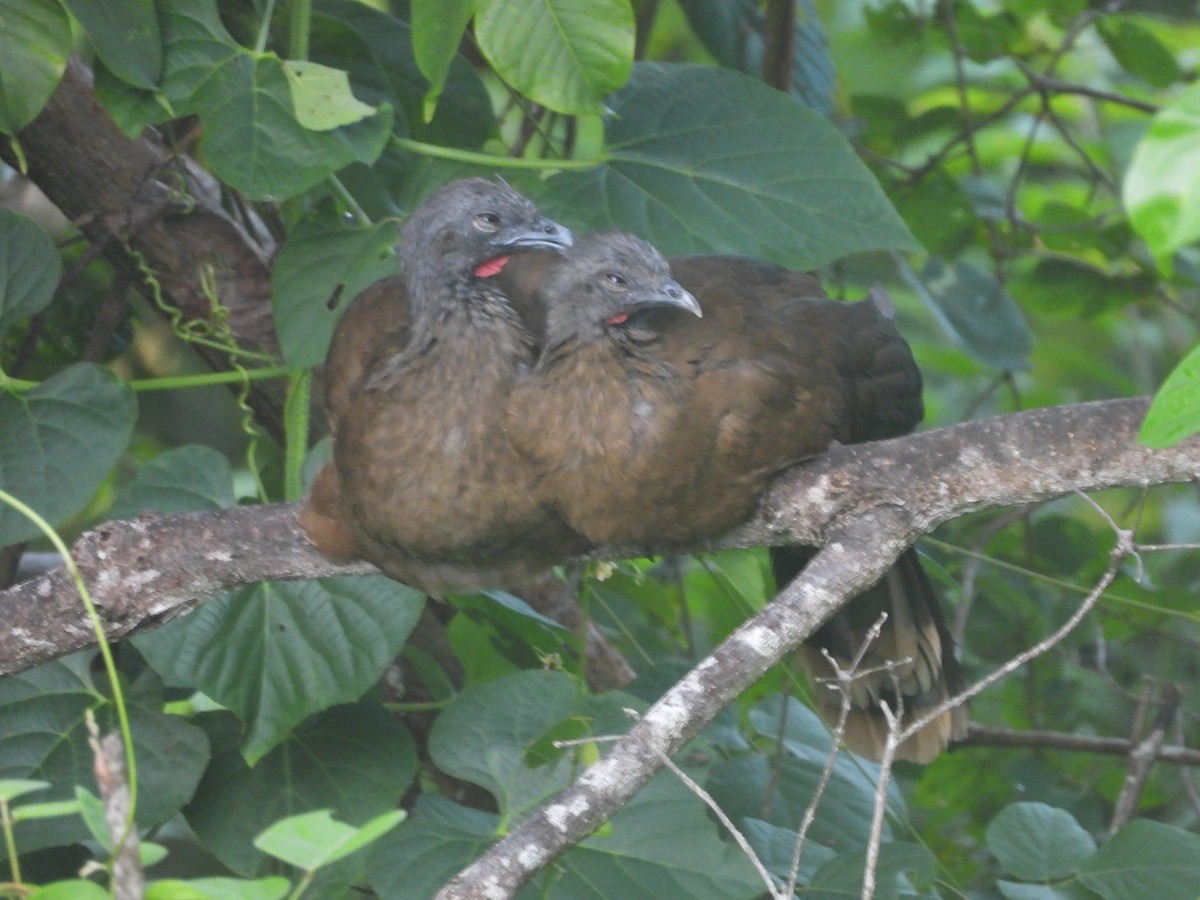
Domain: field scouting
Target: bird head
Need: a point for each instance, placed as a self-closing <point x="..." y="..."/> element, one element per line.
<point x="606" y="280"/>
<point x="468" y="228"/>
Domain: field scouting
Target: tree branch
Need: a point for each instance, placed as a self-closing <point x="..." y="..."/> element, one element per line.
<point x="146" y="571"/>
<point x="865" y="503"/>
<point x="158" y="218"/>
<point x="875" y="498"/>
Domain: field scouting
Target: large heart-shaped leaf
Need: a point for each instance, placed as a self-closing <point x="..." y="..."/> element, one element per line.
<point x="322" y="262"/>
<point x="58" y="442"/>
<point x="252" y="138"/>
<point x="126" y="37"/>
<point x="584" y="48"/>
<point x="356" y="760"/>
<point x="35" y="41"/>
<point x="705" y="160"/>
<point x="277" y="652"/>
<point x="29" y="268"/>
<point x="45" y="736"/>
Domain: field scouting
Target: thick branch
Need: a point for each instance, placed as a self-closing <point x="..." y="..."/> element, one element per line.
<point x="144" y="205"/>
<point x="148" y="570"/>
<point x="877" y="499"/>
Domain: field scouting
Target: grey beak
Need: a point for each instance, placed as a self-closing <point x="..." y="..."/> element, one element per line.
<point x="543" y="233"/>
<point x="668" y="294"/>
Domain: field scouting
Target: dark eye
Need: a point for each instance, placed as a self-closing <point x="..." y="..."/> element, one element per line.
<point x="487" y="222"/>
<point x="615" y="282"/>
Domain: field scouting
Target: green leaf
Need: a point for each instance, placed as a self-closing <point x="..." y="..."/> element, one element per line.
<point x="938" y="211"/>
<point x="705" y="160"/>
<point x="661" y="844"/>
<point x="35" y="41"/>
<point x="322" y="97"/>
<point x="977" y="312"/>
<point x="324" y="264"/>
<point x="377" y="50"/>
<point x="437" y="30"/>
<point x="743" y="784"/>
<point x="584" y="49"/>
<point x="277" y="652"/>
<point x="1063" y="286"/>
<point x="1162" y="184"/>
<point x="985" y="37"/>
<point x="1145" y="859"/>
<point x="30" y="268"/>
<point x="218" y="889"/>
<point x="1138" y="51"/>
<point x="58" y="442"/>
<point x="722" y="27"/>
<point x="311" y="840"/>
<point x="356" y="760"/>
<point x="1011" y="890"/>
<point x="186" y="479"/>
<point x="125" y="36"/>
<point x="53" y="810"/>
<point x="252" y="139"/>
<point x="901" y="868"/>
<point x="45" y="737"/>
<point x="483" y="736"/>
<point x="427" y="848"/>
<point x="131" y="109"/>
<point x="75" y="889"/>
<point x="12" y="788"/>
<point x="775" y="847"/>
<point x="1036" y="842"/>
<point x="1175" y="412"/>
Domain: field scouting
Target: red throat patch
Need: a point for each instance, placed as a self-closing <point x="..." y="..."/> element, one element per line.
<point x="491" y="267"/>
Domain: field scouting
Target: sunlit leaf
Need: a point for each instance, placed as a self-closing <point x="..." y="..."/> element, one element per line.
<point x="1175" y="412"/>
<point x="584" y="48"/>
<point x="1162" y="185"/>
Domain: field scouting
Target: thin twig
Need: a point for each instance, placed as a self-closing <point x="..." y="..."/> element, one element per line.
<point x="738" y="837"/>
<point x="895" y="737"/>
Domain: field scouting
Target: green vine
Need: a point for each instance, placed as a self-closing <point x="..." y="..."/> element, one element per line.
<point x="110" y="666"/>
<point x="216" y="333"/>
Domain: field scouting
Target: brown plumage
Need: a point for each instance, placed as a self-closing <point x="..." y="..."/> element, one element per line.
<point x="652" y="426"/>
<point x="423" y="481"/>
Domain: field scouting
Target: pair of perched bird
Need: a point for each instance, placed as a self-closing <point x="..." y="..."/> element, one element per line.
<point x="517" y="396"/>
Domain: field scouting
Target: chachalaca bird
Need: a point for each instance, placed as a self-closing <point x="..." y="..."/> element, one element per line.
<point x="423" y="481"/>
<point x="654" y="426"/>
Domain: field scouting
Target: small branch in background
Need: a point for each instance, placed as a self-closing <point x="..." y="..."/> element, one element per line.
<point x="738" y="837"/>
<point x="895" y="737"/>
<point x="108" y="319"/>
<point x="779" y="44"/>
<point x="984" y="736"/>
<point x="1185" y="777"/>
<point x="128" y="880"/>
<point x="1142" y="757"/>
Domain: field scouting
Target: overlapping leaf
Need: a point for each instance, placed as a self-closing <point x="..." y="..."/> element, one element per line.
<point x="702" y="160"/>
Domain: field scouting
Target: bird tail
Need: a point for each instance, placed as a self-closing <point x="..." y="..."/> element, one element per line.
<point x="911" y="664"/>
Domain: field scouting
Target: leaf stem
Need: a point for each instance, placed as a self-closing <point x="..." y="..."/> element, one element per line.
<point x="298" y="28"/>
<point x="172" y="382"/>
<point x="344" y="195"/>
<point x="500" y="162"/>
<point x="295" y="424"/>
<point x="264" y="27"/>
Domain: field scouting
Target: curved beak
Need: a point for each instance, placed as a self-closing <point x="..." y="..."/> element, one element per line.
<point x="542" y="233"/>
<point x="669" y="293"/>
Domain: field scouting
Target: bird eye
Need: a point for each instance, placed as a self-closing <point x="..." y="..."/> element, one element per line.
<point x="487" y="222"/>
<point x="615" y="282"/>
